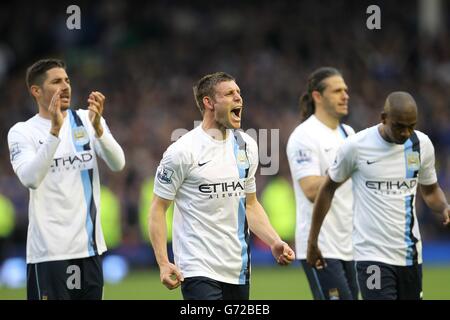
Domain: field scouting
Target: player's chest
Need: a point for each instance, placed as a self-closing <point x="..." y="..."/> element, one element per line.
<point x="392" y="164"/>
<point x="327" y="147"/>
<point x="75" y="151"/>
<point x="219" y="165"/>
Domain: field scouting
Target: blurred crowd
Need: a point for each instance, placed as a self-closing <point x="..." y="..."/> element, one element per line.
<point x="145" y="57"/>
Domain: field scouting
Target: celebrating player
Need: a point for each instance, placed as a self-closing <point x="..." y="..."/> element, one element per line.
<point x="210" y="174"/>
<point x="54" y="154"/>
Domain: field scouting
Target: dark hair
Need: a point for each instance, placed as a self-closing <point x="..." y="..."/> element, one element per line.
<point x="205" y="87"/>
<point x="315" y="83"/>
<point x="36" y="72"/>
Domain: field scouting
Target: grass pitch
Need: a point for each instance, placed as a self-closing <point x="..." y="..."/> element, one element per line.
<point x="277" y="283"/>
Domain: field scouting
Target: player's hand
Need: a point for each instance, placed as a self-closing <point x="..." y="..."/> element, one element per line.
<point x="446" y="215"/>
<point x="314" y="256"/>
<point x="56" y="116"/>
<point x="283" y="253"/>
<point x="171" y="276"/>
<point x="96" y="102"/>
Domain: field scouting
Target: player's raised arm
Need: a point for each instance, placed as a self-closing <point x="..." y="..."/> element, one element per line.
<point x="96" y="102"/>
<point x="31" y="165"/>
<point x="56" y="115"/>
<point x="108" y="148"/>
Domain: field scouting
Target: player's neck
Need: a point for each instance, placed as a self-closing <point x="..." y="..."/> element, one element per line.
<point x="383" y="134"/>
<point x="326" y="119"/>
<point x="214" y="130"/>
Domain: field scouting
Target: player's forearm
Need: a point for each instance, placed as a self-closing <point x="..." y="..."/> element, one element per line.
<point x="310" y="186"/>
<point x="320" y="210"/>
<point x="32" y="172"/>
<point x="98" y="131"/>
<point x="158" y="233"/>
<point x="259" y="224"/>
<point x="111" y="152"/>
<point x="434" y="197"/>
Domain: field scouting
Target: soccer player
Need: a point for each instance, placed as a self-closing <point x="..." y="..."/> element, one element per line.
<point x="311" y="150"/>
<point x="387" y="163"/>
<point x="54" y="154"/>
<point x="210" y="174"/>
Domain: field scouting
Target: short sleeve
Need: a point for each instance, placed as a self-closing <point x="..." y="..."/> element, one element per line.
<point x="303" y="158"/>
<point x="427" y="171"/>
<point x="170" y="174"/>
<point x="253" y="158"/>
<point x="345" y="162"/>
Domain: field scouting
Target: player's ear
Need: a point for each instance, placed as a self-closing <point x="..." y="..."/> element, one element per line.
<point x="383" y="117"/>
<point x="35" y="91"/>
<point x="316" y="96"/>
<point x="207" y="102"/>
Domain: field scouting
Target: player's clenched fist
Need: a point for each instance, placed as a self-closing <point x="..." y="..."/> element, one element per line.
<point x="283" y="254"/>
<point x="171" y="277"/>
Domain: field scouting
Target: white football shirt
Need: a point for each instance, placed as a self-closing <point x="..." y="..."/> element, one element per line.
<point x="385" y="178"/>
<point x="208" y="179"/>
<point x="62" y="175"/>
<point x="311" y="149"/>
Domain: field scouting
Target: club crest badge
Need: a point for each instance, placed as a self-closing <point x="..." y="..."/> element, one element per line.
<point x="242" y="160"/>
<point x="80" y="136"/>
<point x="413" y="161"/>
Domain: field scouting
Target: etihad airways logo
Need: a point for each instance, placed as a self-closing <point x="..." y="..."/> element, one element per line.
<point x="79" y="161"/>
<point x="223" y="189"/>
<point x="392" y="187"/>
